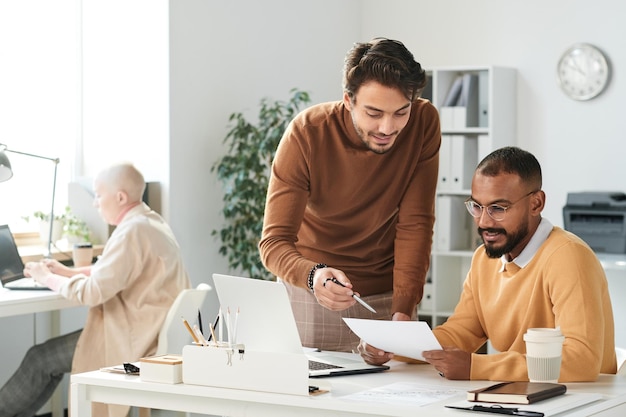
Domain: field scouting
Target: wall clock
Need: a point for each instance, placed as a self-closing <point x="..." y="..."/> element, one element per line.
<point x="583" y="71"/>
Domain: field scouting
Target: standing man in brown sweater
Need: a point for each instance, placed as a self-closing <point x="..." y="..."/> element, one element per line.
<point x="351" y="197"/>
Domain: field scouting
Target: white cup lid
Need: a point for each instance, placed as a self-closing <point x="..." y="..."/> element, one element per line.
<point x="543" y="334"/>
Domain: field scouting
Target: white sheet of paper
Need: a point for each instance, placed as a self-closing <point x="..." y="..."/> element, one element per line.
<point x="406" y="393"/>
<point x="405" y="338"/>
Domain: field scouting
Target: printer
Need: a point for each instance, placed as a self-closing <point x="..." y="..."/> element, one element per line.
<point x="598" y="218"/>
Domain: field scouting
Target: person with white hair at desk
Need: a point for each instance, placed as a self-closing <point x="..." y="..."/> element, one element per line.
<point x="129" y="291"/>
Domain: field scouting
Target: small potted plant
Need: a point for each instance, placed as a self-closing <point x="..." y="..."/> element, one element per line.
<point x="44" y="225"/>
<point x="65" y="225"/>
<point x="75" y="230"/>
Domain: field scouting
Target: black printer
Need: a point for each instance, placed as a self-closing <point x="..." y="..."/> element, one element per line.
<point x="599" y="218"/>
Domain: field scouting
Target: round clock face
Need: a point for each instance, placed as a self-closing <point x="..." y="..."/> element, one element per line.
<point x="583" y="72"/>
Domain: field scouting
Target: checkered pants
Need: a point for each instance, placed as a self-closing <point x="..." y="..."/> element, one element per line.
<point x="38" y="375"/>
<point x="324" y="329"/>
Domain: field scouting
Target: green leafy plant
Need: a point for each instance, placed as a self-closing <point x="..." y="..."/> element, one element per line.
<point x="244" y="172"/>
<point x="74" y="228"/>
<point x="43" y="217"/>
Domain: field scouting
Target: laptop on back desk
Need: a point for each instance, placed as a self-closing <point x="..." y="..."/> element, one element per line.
<point x="11" y="265"/>
<point x="265" y="322"/>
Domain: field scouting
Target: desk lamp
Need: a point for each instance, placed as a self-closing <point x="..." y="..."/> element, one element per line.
<point x="6" y="173"/>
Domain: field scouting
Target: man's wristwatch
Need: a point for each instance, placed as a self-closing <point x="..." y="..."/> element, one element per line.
<point x="309" y="282"/>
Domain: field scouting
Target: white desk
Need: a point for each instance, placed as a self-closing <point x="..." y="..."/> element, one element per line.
<point x="17" y="302"/>
<point x="130" y="390"/>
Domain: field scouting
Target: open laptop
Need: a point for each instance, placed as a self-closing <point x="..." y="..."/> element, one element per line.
<point x="265" y="322"/>
<point x="11" y="265"/>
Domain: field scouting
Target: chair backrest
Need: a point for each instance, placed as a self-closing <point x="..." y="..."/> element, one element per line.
<point x="621" y="360"/>
<point x="173" y="335"/>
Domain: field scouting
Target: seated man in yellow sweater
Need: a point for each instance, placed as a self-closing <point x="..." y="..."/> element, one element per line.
<point x="528" y="273"/>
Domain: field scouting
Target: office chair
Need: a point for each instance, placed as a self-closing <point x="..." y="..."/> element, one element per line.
<point x="621" y="360"/>
<point x="173" y="334"/>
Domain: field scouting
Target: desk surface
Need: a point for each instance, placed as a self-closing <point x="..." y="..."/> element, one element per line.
<point x="16" y="302"/>
<point x="130" y="390"/>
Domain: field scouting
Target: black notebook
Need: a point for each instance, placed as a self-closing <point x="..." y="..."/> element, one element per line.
<point x="517" y="392"/>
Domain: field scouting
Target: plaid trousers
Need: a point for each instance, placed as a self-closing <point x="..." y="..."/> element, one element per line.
<point x="325" y="329"/>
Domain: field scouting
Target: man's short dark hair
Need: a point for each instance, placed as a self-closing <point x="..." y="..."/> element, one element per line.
<point x="385" y="61"/>
<point x="512" y="160"/>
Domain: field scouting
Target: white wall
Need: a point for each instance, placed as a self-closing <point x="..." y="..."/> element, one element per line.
<point x="161" y="79"/>
<point x="579" y="144"/>
<point x="125" y="103"/>
<point x="225" y="57"/>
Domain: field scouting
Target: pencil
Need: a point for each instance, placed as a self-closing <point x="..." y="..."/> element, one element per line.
<point x="199" y="335"/>
<point x="212" y="336"/>
<point x="190" y="330"/>
<point x="213" y="329"/>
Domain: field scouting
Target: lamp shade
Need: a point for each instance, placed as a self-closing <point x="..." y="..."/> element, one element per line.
<point x="5" y="167"/>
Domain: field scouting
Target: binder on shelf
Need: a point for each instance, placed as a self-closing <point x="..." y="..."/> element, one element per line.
<point x="460" y="108"/>
<point x="452" y="118"/>
<point x="469" y="101"/>
<point x="225" y="367"/>
<point x="463" y="161"/>
<point x="427" y="299"/>
<point x="452" y="225"/>
<point x="483" y="99"/>
<point x="445" y="170"/>
<point x="454" y="93"/>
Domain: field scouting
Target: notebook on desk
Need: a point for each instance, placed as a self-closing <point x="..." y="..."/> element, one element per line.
<point x="266" y="323"/>
<point x="11" y="265"/>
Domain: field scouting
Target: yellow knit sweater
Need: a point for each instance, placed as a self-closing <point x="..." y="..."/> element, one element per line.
<point x="563" y="285"/>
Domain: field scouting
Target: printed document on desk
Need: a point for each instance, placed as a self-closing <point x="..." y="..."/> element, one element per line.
<point x="405" y="338"/>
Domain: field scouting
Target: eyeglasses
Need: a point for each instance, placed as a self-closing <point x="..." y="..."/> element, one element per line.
<point x="495" y="211"/>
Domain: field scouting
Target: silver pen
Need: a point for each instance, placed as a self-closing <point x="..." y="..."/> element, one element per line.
<point x="356" y="297"/>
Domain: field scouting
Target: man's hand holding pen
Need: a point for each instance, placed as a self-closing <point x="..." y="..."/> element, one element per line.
<point x="333" y="297"/>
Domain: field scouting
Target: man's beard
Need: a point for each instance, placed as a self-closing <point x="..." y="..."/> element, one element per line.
<point x="365" y="139"/>
<point x="512" y="240"/>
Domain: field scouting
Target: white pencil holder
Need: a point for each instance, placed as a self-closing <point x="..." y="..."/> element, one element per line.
<point x="235" y="367"/>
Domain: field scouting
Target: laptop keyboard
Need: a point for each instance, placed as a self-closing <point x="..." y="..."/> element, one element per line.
<point x="24" y="282"/>
<point x="316" y="366"/>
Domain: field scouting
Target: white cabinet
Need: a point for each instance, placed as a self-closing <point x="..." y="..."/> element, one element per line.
<point x="477" y="107"/>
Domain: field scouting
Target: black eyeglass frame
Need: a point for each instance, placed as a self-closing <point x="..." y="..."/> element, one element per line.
<point x="471" y="204"/>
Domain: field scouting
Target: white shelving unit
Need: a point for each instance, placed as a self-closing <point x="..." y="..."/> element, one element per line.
<point x="485" y="121"/>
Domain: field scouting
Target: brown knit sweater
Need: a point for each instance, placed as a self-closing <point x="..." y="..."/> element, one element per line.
<point x="331" y="200"/>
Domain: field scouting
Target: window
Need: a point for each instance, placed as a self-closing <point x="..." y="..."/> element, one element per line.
<point x="39" y="104"/>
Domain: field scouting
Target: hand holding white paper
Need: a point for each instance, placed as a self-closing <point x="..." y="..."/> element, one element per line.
<point x="405" y="338"/>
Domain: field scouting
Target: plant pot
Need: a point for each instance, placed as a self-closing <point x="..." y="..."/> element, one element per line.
<point x="44" y="231"/>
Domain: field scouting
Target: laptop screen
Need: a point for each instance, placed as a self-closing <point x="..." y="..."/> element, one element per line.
<point x="265" y="320"/>
<point x="11" y="265"/>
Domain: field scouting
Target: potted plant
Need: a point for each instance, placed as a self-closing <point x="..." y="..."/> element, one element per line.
<point x="244" y="172"/>
<point x="75" y="230"/>
<point x="65" y="224"/>
<point x="44" y="225"/>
